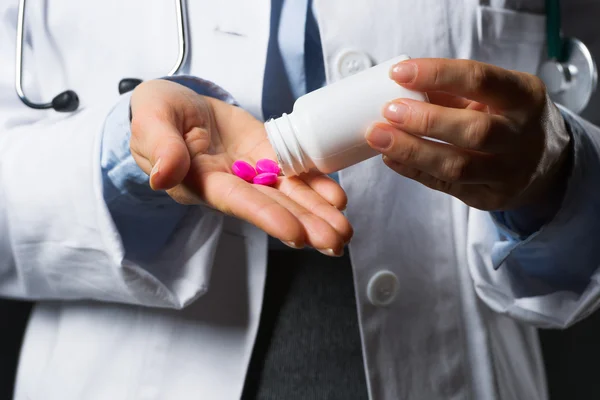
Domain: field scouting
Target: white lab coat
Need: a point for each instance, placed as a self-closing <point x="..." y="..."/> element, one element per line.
<point x="183" y="326"/>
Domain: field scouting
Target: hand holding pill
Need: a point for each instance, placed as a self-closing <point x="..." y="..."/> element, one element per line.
<point x="203" y="151"/>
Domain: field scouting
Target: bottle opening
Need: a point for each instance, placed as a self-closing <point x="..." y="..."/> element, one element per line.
<point x="282" y="136"/>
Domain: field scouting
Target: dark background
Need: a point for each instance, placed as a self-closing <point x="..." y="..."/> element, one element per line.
<point x="580" y="23"/>
<point x="13" y="318"/>
<point x="571" y="359"/>
<point x="572" y="355"/>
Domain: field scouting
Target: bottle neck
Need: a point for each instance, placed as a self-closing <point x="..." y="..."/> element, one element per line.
<point x="284" y="140"/>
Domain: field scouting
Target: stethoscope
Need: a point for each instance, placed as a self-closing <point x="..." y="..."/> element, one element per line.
<point x="570" y="73"/>
<point x="68" y="100"/>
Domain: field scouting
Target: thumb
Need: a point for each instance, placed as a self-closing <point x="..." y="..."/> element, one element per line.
<point x="170" y="125"/>
<point x="162" y="152"/>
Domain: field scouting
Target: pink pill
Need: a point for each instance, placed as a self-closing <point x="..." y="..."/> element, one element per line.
<point x="267" y="166"/>
<point x="266" y="179"/>
<point x="243" y="170"/>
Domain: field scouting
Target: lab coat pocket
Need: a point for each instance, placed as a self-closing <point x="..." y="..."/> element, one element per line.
<point x="510" y="39"/>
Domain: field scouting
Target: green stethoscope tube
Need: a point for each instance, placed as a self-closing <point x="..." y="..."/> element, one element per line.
<point x="556" y="46"/>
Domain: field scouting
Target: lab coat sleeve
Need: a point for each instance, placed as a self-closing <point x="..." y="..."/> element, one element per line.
<point x="58" y="239"/>
<point x="509" y="272"/>
<point x="146" y="219"/>
<point x="57" y="236"/>
<point x="518" y="225"/>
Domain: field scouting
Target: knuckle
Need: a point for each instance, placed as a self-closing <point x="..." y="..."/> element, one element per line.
<point x="533" y="95"/>
<point x="436" y="74"/>
<point x="407" y="154"/>
<point x="539" y="93"/>
<point x="478" y="133"/>
<point x="538" y="86"/>
<point x="478" y="78"/>
<point x="426" y="121"/>
<point x="454" y="169"/>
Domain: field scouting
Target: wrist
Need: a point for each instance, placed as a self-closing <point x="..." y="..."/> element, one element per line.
<point x="543" y="205"/>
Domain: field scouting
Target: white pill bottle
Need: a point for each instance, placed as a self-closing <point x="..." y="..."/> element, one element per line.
<point x="326" y="130"/>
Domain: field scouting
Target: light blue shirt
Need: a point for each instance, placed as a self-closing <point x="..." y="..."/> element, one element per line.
<point x="147" y="219"/>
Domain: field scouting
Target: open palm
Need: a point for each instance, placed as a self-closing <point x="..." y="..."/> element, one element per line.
<point x="187" y="144"/>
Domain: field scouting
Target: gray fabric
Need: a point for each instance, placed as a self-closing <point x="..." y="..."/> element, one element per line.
<point x="308" y="344"/>
<point x="277" y="95"/>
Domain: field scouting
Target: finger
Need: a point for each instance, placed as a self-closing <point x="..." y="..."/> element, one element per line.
<point x="454" y="189"/>
<point x="464" y="128"/>
<point x="319" y="233"/>
<point x="235" y="197"/>
<point x="477" y="196"/>
<point x="328" y="189"/>
<point x="461" y="191"/>
<point x="160" y="150"/>
<point x="452" y="101"/>
<point x="268" y="209"/>
<point x="445" y="162"/>
<point x="300" y="192"/>
<point x="485" y="83"/>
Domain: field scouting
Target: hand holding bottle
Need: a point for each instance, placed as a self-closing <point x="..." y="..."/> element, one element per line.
<point x="504" y="144"/>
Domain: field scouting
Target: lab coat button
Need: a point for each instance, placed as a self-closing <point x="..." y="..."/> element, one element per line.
<point x="382" y="288"/>
<point x="350" y="62"/>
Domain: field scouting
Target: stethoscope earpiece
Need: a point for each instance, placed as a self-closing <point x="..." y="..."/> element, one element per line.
<point x="128" y="84"/>
<point x="67" y="101"/>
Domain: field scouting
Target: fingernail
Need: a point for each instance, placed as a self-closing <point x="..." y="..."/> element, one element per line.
<point x="379" y="139"/>
<point x="155" y="168"/>
<point x="331" y="252"/>
<point x="404" y="72"/>
<point x="293" y="245"/>
<point x="395" y="112"/>
<point x="154" y="173"/>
